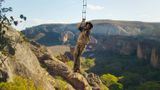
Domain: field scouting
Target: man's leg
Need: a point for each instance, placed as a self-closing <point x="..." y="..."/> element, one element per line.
<point x="78" y="51"/>
<point x="76" y="58"/>
<point x="81" y="49"/>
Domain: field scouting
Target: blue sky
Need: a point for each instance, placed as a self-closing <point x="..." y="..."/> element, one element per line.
<point x="69" y="11"/>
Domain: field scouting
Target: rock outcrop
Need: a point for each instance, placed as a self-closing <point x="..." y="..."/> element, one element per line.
<point x="56" y="67"/>
<point x="139" y="52"/>
<point x="24" y="62"/>
<point x="75" y="79"/>
<point x="155" y="58"/>
<point x="94" y="81"/>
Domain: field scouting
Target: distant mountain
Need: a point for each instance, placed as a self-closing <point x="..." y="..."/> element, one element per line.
<point x="52" y="32"/>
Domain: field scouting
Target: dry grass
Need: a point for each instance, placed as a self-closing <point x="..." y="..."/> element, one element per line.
<point x="57" y="50"/>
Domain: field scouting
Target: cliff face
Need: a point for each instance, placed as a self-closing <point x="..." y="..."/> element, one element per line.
<point x="139" y="52"/>
<point x="155" y="58"/>
<point x="144" y="49"/>
<point x="24" y="62"/>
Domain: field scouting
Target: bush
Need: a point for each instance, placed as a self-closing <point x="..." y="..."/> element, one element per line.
<point x="111" y="81"/>
<point x="150" y="85"/>
<point x="103" y="87"/>
<point x="60" y="83"/>
<point x="116" y="86"/>
<point x="70" y="64"/>
<point x="88" y="63"/>
<point x="19" y="83"/>
<point x="4" y="41"/>
<point x="131" y="79"/>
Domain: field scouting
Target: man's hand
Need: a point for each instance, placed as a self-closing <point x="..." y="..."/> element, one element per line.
<point x="83" y="20"/>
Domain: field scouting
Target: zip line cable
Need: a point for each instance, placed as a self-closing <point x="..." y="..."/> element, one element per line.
<point x="84" y="10"/>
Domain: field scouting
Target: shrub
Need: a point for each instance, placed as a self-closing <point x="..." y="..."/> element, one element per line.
<point x="150" y="85"/>
<point x="88" y="63"/>
<point x="60" y="83"/>
<point x="70" y="64"/>
<point x="19" y="83"/>
<point x="112" y="81"/>
<point x="116" y="86"/>
<point x="103" y="87"/>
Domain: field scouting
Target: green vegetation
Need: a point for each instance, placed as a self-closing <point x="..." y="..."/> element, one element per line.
<point x="134" y="71"/>
<point x="136" y="74"/>
<point x="103" y="87"/>
<point x="70" y="63"/>
<point x="111" y="81"/>
<point x="5" y="23"/>
<point x="3" y="20"/>
<point x="87" y="63"/>
<point x="151" y="85"/>
<point x="61" y="83"/>
<point x="3" y="40"/>
<point x="19" y="83"/>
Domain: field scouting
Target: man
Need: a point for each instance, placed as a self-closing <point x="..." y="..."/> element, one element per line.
<point x="83" y="40"/>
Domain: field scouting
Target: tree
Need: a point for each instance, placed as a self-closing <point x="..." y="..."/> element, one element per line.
<point x="88" y="63"/>
<point x="5" y="22"/>
<point x="19" y="83"/>
<point x="3" y="39"/>
<point x="116" y="86"/>
<point x="111" y="81"/>
<point x="131" y="80"/>
<point x="150" y="85"/>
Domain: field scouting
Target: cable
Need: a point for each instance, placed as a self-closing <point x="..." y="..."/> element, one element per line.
<point x="84" y="10"/>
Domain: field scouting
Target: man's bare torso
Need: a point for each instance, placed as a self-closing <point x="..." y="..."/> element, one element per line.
<point x="84" y="37"/>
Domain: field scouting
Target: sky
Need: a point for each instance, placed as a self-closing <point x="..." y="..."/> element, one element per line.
<point x="69" y="11"/>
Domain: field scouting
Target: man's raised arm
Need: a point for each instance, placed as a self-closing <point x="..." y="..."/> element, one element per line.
<point x="81" y="26"/>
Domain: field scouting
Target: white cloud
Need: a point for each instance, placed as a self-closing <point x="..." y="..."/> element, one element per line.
<point x="95" y="7"/>
<point x="34" y="22"/>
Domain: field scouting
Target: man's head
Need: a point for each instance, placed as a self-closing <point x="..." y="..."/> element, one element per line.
<point x="89" y="25"/>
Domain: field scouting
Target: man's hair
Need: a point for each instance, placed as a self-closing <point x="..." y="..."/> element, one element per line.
<point x="91" y="25"/>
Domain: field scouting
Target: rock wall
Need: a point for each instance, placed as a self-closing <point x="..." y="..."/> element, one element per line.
<point x="24" y="62"/>
<point x="144" y="49"/>
<point x="155" y="58"/>
<point x="139" y="52"/>
<point x="56" y="67"/>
